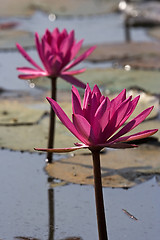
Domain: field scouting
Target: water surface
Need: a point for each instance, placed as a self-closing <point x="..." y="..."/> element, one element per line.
<point x="26" y="196"/>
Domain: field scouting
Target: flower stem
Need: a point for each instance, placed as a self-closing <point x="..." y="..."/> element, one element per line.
<point x="101" y="221"/>
<point x="52" y="120"/>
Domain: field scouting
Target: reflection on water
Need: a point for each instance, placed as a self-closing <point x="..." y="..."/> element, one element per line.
<point x="51" y="213"/>
<point x="30" y="208"/>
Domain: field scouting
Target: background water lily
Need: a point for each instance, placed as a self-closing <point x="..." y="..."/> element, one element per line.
<point x="96" y="124"/>
<point x="58" y="54"/>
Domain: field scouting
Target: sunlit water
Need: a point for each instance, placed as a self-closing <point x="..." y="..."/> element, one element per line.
<point x="26" y="193"/>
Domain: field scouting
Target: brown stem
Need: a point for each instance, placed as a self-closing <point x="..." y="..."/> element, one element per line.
<point x="52" y="120"/>
<point x="101" y="221"/>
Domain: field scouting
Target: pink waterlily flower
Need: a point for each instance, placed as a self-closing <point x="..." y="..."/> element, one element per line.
<point x="57" y="52"/>
<point x="99" y="122"/>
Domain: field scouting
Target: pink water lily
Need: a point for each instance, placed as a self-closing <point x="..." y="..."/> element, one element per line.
<point x="57" y="52"/>
<point x="99" y="122"/>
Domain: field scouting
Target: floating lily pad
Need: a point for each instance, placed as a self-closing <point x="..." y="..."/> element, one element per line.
<point x="60" y="7"/>
<point x="16" y="8"/>
<point x="28" y="123"/>
<point x="30" y="136"/>
<point x="151" y="62"/>
<point x="13" y="112"/>
<point x="114" y="80"/>
<point x="116" y="51"/>
<point x="8" y="39"/>
<point x="120" y="168"/>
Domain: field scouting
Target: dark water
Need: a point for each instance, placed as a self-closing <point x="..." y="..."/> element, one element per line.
<point x="26" y="196"/>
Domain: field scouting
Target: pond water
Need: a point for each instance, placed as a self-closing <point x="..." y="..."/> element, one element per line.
<point x="30" y="207"/>
<point x="94" y="29"/>
<point x="108" y="28"/>
<point x="26" y="196"/>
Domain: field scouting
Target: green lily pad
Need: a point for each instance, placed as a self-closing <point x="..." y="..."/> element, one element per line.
<point x="30" y="136"/>
<point x="119" y="168"/>
<point x="138" y="55"/>
<point x="13" y="112"/>
<point x="9" y="38"/>
<point x="116" y="80"/>
<point x="112" y="80"/>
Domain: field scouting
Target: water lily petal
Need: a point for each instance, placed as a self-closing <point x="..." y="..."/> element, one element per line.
<point x="40" y="51"/>
<point x="28" y="70"/>
<point x="74" y="72"/>
<point x="114" y="119"/>
<point x="130" y="110"/>
<point x="80" y="58"/>
<point x="31" y="76"/>
<point x="120" y="98"/>
<point x="45" y="62"/>
<point x="136" y="136"/>
<point x="121" y="112"/>
<point x="66" y="46"/>
<point x="55" y="40"/>
<point x="97" y="92"/>
<point x="91" y="109"/>
<point x="132" y="124"/>
<point x="64" y="118"/>
<point x="27" y="57"/>
<point x="102" y="114"/>
<point x="117" y="101"/>
<point x="87" y="95"/>
<point x="84" y="128"/>
<point x="120" y="145"/>
<point x="71" y="79"/>
<point x="62" y="35"/>
<point x="55" y="63"/>
<point x="120" y="116"/>
<point x="75" y="49"/>
<point x="60" y="150"/>
<point x="76" y="102"/>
